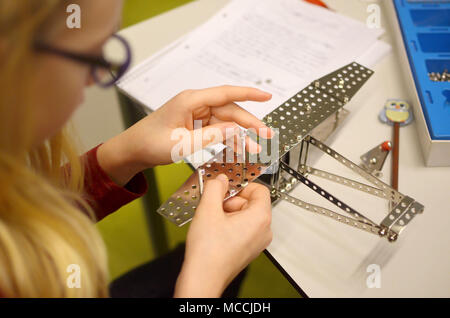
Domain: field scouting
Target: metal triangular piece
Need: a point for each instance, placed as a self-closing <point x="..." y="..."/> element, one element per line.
<point x="374" y="159"/>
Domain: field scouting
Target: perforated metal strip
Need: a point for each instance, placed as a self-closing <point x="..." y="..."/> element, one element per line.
<point x="405" y="209"/>
<point x="344" y="181"/>
<point x="374" y="229"/>
<point x="401" y="215"/>
<point x="299" y="115"/>
<point x="345" y="82"/>
<point x="180" y="207"/>
<point x="331" y="198"/>
<point x="391" y="194"/>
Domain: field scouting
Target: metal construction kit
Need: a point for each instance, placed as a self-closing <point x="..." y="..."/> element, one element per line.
<point x="303" y="122"/>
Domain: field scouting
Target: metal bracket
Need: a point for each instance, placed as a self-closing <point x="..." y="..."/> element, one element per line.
<point x="374" y="159"/>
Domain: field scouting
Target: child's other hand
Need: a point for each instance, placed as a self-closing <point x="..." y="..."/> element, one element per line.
<point x="224" y="238"/>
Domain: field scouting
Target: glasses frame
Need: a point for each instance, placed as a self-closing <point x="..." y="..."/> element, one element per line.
<point x="95" y="61"/>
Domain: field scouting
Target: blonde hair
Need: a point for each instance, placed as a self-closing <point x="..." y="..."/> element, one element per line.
<point x="45" y="225"/>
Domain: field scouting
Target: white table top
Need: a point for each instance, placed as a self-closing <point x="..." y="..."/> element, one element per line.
<point x="323" y="257"/>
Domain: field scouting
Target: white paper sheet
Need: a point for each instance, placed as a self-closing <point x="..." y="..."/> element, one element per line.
<point x="374" y="54"/>
<point x="277" y="45"/>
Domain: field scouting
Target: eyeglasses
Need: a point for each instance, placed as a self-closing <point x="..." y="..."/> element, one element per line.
<point x="106" y="69"/>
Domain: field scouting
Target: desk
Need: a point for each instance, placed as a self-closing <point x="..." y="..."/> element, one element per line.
<point x="323" y="257"/>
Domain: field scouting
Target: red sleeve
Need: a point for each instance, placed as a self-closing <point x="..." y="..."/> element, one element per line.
<point x="102" y="194"/>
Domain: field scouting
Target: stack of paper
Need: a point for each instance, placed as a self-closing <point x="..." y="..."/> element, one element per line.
<point x="279" y="46"/>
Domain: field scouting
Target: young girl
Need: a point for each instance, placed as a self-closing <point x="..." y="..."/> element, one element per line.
<point x="50" y="197"/>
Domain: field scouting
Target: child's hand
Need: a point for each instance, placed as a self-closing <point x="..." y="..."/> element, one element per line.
<point x="148" y="143"/>
<point x="224" y="238"/>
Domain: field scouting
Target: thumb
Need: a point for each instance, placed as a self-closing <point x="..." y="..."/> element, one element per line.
<point x="214" y="193"/>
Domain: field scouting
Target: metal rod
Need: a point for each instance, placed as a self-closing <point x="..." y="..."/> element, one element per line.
<point x="395" y="157"/>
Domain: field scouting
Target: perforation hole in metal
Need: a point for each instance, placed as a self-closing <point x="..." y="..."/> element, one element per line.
<point x="299" y="115"/>
<point x="238" y="175"/>
<point x="371" y="228"/>
<point x="346" y="81"/>
<point x="325" y="194"/>
<point x="386" y="190"/>
<point x="181" y="206"/>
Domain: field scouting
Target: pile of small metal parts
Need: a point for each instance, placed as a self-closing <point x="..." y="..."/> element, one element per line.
<point x="439" y="76"/>
<point x="296" y="121"/>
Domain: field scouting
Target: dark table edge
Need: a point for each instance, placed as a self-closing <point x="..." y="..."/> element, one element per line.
<point x="285" y="274"/>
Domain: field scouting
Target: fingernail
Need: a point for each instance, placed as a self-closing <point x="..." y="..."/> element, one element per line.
<point x="268" y="129"/>
<point x="222" y="177"/>
<point x="266" y="93"/>
<point x="270" y="132"/>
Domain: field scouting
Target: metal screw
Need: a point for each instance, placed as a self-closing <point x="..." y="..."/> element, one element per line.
<point x="392" y="237"/>
<point x="439" y="77"/>
<point x="308" y="108"/>
<point x="382" y="232"/>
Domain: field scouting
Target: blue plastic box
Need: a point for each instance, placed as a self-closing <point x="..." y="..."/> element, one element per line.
<point x="424" y="30"/>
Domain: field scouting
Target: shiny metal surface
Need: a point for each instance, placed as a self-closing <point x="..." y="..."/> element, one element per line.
<point x="298" y="119"/>
<point x="392" y="225"/>
<point x="374" y="159"/>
